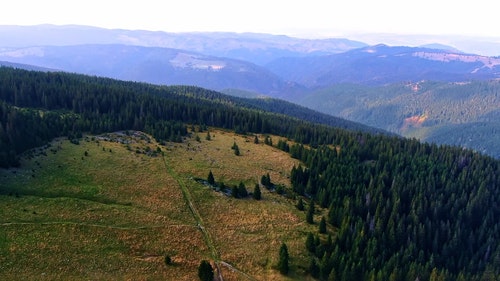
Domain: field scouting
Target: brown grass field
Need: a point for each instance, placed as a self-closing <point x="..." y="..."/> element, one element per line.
<point x="105" y="210"/>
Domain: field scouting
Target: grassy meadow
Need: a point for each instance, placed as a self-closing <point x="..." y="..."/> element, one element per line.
<point x="113" y="206"/>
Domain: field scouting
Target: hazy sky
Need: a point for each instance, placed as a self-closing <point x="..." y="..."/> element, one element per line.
<point x="311" y="18"/>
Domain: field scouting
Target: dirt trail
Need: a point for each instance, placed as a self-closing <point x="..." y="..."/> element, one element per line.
<point x="196" y="215"/>
<point x="199" y="222"/>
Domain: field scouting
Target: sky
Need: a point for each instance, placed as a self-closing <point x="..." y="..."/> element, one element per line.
<point x="310" y="19"/>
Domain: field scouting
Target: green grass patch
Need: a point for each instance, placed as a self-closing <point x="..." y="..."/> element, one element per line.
<point x="106" y="209"/>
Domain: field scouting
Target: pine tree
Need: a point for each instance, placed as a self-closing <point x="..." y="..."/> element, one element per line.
<point x="310" y="213"/>
<point x="283" y="265"/>
<point x="300" y="204"/>
<point x="210" y="178"/>
<point x="310" y="245"/>
<point x="322" y="225"/>
<point x="242" y="190"/>
<point x="256" y="192"/>
<point x="265" y="180"/>
<point x="314" y="269"/>
<point x="205" y="271"/>
<point x="168" y="260"/>
<point x="234" y="191"/>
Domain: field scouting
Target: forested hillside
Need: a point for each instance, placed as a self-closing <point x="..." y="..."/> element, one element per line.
<point x="463" y="114"/>
<point x="398" y="209"/>
<point x="37" y="106"/>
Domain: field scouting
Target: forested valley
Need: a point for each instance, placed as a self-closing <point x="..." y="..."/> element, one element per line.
<point x="400" y="209"/>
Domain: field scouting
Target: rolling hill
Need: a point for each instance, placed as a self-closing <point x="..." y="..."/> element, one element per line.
<point x="110" y="184"/>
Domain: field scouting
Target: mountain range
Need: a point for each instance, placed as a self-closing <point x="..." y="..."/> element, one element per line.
<point x="374" y="85"/>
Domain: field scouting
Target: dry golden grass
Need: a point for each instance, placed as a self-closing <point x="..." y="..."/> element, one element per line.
<point x="247" y="233"/>
<point x="102" y="211"/>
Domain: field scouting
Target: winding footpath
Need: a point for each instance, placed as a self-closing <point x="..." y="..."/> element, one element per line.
<point x="196" y="215"/>
<point x="199" y="222"/>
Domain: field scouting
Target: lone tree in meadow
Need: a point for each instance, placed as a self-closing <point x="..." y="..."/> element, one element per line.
<point x="236" y="149"/>
<point x="168" y="260"/>
<point x="210" y="178"/>
<point x="205" y="271"/>
<point x="300" y="205"/>
<point x="283" y="266"/>
<point x="256" y="192"/>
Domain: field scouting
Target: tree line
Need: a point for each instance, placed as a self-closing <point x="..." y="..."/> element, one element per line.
<point x="36" y="106"/>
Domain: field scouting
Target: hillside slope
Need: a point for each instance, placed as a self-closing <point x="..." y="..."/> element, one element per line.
<point x="375" y="207"/>
<point x="109" y="209"/>
<point x="463" y="114"/>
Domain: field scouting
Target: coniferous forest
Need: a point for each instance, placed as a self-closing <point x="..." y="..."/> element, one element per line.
<point x="401" y="209"/>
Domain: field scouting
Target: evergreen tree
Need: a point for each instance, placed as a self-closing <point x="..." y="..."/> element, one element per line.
<point x="283" y="265"/>
<point x="256" y="192"/>
<point x="310" y="245"/>
<point x="168" y="260"/>
<point x="314" y="269"/>
<point x="265" y="180"/>
<point x="332" y="276"/>
<point x="234" y="192"/>
<point x="300" y="204"/>
<point x="210" y="178"/>
<point x="322" y="225"/>
<point x="222" y="186"/>
<point x="256" y="140"/>
<point x="310" y="213"/>
<point x="242" y="190"/>
<point x="205" y="271"/>
<point x="208" y="137"/>
<point x="236" y="149"/>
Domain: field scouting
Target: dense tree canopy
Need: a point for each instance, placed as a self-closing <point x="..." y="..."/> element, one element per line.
<point x="404" y="208"/>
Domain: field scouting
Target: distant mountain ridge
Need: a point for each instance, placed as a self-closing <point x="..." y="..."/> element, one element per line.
<point x="253" y="47"/>
<point x="153" y="65"/>
<point x="382" y="64"/>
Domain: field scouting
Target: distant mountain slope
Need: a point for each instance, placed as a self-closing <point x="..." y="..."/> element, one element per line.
<point x="382" y="64"/>
<point x="287" y="108"/>
<point x="24" y="66"/>
<point x="464" y="114"/>
<point x="252" y="47"/>
<point x="152" y="65"/>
